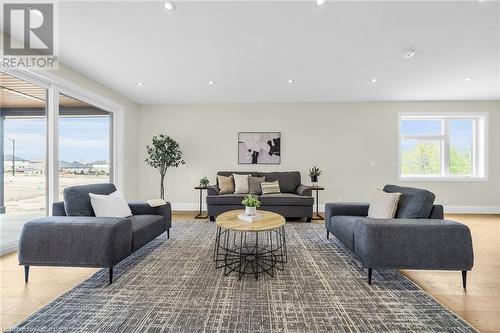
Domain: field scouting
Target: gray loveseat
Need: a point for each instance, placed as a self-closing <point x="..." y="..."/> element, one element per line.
<point x="294" y="201"/>
<point x="417" y="238"/>
<point x="74" y="237"/>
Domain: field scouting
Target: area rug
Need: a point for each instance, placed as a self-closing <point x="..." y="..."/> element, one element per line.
<point x="171" y="285"/>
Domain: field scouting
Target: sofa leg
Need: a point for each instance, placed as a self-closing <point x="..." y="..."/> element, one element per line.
<point x="168" y="233"/>
<point x="26" y="273"/>
<point x="111" y="275"/>
<point x="308" y="219"/>
<point x="464" y="279"/>
<point x="212" y="218"/>
<point x="327" y="234"/>
<point x="370" y="275"/>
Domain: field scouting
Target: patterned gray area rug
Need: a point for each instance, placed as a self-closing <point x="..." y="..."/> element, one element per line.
<point x="173" y="286"/>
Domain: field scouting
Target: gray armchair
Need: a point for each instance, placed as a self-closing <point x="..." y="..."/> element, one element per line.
<point x="418" y="238"/>
<point x="74" y="237"/>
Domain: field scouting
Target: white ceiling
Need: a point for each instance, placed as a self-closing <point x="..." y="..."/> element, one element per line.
<point x="251" y="50"/>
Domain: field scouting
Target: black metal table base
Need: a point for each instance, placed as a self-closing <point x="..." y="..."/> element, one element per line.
<point x="249" y="252"/>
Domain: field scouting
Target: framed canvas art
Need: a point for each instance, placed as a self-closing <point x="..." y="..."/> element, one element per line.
<point x="259" y="148"/>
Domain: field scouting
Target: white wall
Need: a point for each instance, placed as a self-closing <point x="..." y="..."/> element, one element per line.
<point x="343" y="139"/>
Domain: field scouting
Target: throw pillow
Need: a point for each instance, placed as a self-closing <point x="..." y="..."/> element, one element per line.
<point x="240" y="183"/>
<point x="383" y="205"/>
<point x="254" y="184"/>
<point x="270" y="187"/>
<point x="112" y="205"/>
<point x="226" y="184"/>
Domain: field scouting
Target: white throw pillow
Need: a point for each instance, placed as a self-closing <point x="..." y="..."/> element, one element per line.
<point x="383" y="205"/>
<point x="240" y="183"/>
<point x="113" y="205"/>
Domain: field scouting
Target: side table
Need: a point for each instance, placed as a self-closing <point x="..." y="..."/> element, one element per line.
<point x="317" y="189"/>
<point x="201" y="188"/>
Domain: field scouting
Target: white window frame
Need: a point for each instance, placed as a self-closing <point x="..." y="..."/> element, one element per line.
<point x="56" y="85"/>
<point x="479" y="147"/>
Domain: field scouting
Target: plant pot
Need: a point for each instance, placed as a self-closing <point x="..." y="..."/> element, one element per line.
<point x="250" y="210"/>
<point x="314" y="179"/>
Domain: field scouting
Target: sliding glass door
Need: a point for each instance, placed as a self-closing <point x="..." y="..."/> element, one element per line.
<point x="85" y="152"/>
<point x="50" y="141"/>
<point x="23" y="185"/>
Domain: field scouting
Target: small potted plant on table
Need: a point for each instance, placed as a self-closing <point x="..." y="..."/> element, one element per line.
<point x="204" y="182"/>
<point x="251" y="203"/>
<point x="314" y="173"/>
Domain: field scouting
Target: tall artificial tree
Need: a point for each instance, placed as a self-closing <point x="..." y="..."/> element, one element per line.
<point x="163" y="153"/>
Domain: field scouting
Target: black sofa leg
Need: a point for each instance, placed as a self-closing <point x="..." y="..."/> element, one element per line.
<point x="212" y="218"/>
<point x="464" y="279"/>
<point x="370" y="276"/>
<point x="308" y="219"/>
<point x="26" y="273"/>
<point x="327" y="234"/>
<point x="168" y="233"/>
<point x="111" y="275"/>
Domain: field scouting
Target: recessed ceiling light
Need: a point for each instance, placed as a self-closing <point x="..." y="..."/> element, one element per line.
<point x="409" y="53"/>
<point x="290" y="81"/>
<point x="169" y="5"/>
<point x="374" y="80"/>
<point x="320" y="2"/>
<point x="211" y="82"/>
<point x="467" y="79"/>
<point x="140" y="84"/>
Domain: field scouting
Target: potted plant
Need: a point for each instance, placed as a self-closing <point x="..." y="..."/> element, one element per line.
<point x="164" y="153"/>
<point x="204" y="182"/>
<point x="314" y="172"/>
<point x="251" y="203"/>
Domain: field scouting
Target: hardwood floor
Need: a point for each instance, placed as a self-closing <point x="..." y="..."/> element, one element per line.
<point x="479" y="305"/>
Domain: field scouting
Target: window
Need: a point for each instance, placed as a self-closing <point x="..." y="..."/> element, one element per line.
<point x="55" y="134"/>
<point x="23" y="136"/>
<point x="442" y="146"/>
<point x="85" y="151"/>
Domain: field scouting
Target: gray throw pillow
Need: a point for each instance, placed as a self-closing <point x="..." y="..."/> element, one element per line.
<point x="254" y="184"/>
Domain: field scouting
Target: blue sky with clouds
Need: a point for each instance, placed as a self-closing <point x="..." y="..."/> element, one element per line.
<point x="80" y="139"/>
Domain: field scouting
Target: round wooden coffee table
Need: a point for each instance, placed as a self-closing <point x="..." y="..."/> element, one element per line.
<point x="250" y="247"/>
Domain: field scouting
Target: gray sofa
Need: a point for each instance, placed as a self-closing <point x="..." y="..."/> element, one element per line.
<point x="294" y="201"/>
<point x="74" y="237"/>
<point x="417" y="238"/>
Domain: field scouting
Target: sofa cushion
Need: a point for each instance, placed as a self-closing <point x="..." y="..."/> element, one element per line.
<point x="77" y="200"/>
<point x="285" y="199"/>
<point x="342" y="227"/>
<point x="289" y="181"/>
<point x="254" y="184"/>
<point x="225" y="199"/>
<point x="145" y="228"/>
<point x="383" y="205"/>
<point x="226" y="184"/>
<point x="413" y="202"/>
<point x="240" y="183"/>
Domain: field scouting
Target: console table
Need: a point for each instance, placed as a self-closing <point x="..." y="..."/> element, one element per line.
<point x="201" y="188"/>
<point x="317" y="189"/>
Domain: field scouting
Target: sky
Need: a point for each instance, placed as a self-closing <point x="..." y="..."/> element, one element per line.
<point x="460" y="130"/>
<point x="80" y="139"/>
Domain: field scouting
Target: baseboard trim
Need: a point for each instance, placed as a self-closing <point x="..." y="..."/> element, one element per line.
<point x="472" y="209"/>
<point x="450" y="209"/>
<point x="8" y="248"/>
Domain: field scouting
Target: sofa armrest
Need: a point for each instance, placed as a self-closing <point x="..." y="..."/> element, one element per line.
<point x="58" y="209"/>
<point x="213" y="190"/>
<point x="346" y="209"/>
<point x="80" y="241"/>
<point x="437" y="212"/>
<point x="142" y="208"/>
<point x="413" y="244"/>
<point x="304" y="190"/>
